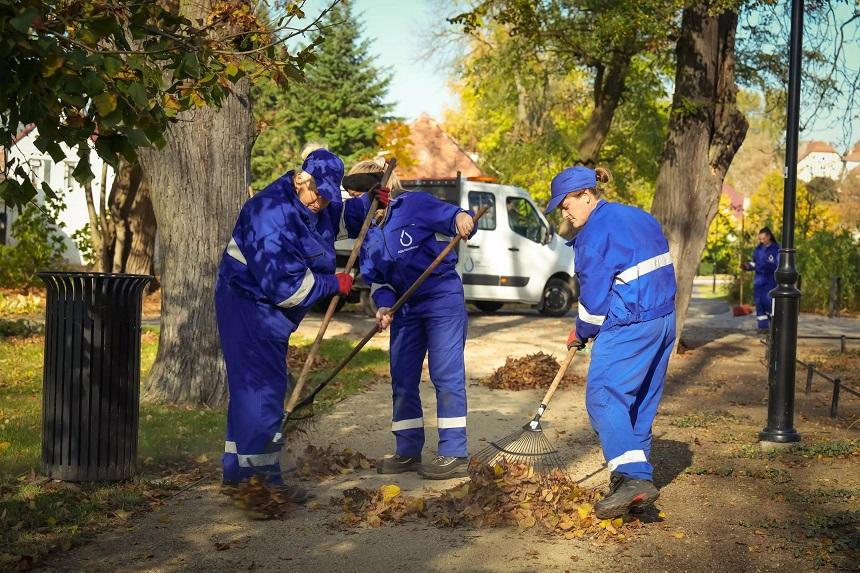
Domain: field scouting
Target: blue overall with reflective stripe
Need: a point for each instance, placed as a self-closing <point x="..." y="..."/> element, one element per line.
<point x="279" y="261"/>
<point x="433" y="323"/>
<point x="627" y="304"/>
<point x="765" y="261"/>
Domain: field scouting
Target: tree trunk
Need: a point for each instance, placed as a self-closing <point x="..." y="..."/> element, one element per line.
<point x="198" y="181"/>
<point x="608" y="89"/>
<point x="142" y="227"/>
<point x="705" y="131"/>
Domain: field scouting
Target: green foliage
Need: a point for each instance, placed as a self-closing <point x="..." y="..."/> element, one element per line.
<point x="721" y="245"/>
<point x="340" y="104"/>
<point x="40" y="244"/>
<point x="823" y="255"/>
<point x="123" y="70"/>
<point x="84" y="241"/>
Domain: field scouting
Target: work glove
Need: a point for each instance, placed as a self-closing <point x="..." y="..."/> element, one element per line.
<point x="573" y="341"/>
<point x="344" y="283"/>
<point x="746" y="266"/>
<point x="381" y="194"/>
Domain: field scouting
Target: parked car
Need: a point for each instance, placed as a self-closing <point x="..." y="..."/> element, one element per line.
<point x="516" y="256"/>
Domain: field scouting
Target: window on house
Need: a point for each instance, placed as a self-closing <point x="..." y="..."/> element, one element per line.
<point x="68" y="180"/>
<point x="47" y="165"/>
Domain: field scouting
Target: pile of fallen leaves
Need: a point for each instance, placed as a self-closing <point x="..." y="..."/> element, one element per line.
<point x="325" y="462"/>
<point x="297" y="356"/>
<point x="260" y="500"/>
<point x="514" y="494"/>
<point x="385" y="506"/>
<point x="532" y="371"/>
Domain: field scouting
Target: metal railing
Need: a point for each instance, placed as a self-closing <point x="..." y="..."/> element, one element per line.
<point x="811" y="371"/>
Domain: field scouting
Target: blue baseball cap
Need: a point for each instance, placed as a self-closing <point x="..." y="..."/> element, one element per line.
<point x="568" y="181"/>
<point x="327" y="170"/>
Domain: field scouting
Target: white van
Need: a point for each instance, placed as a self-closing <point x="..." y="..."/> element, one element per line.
<point x="515" y="257"/>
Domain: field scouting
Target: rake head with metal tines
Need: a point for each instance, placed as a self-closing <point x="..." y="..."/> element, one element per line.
<point x="529" y="445"/>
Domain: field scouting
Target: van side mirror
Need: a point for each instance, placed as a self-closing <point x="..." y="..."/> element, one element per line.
<point x="547" y="234"/>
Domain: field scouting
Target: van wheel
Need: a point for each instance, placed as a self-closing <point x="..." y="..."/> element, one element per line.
<point x="367" y="304"/>
<point x="557" y="298"/>
<point x="321" y="306"/>
<point x="488" y="305"/>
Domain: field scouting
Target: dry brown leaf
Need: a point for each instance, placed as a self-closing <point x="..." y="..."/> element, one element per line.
<point x="532" y="371"/>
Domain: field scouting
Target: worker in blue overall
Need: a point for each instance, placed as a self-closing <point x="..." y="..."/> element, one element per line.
<point x="280" y="260"/>
<point x="764" y="263"/>
<point x="627" y="306"/>
<point x="414" y="229"/>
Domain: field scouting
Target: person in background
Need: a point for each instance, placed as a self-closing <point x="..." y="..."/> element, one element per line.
<point x="412" y="231"/>
<point x="764" y="263"/>
<point x="280" y="260"/>
<point x="627" y="306"/>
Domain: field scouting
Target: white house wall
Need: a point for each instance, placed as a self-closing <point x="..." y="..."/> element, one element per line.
<point x="820" y="164"/>
<point x="59" y="176"/>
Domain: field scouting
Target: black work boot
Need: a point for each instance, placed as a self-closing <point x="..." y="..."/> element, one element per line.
<point x="398" y="464"/>
<point x="444" y="467"/>
<point x="627" y="493"/>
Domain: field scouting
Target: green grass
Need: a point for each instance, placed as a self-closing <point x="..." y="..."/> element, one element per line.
<point x="177" y="444"/>
<point x="705" y="419"/>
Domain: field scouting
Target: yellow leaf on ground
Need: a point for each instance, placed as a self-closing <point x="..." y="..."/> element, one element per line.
<point x="52" y="521"/>
<point x="4" y="445"/>
<point x="662" y="515"/>
<point x="122" y="514"/>
<point x="164" y="518"/>
<point x="389" y="492"/>
<point x="679" y="535"/>
<point x="201" y="459"/>
<point x="584" y="510"/>
<point x="617" y="522"/>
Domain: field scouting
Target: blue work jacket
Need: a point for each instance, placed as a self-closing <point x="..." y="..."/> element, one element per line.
<point x="416" y="228"/>
<point x="764" y="263"/>
<point x="624" y="268"/>
<point x="282" y="253"/>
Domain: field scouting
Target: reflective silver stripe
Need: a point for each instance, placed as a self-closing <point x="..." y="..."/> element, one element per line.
<point x="233" y="251"/>
<point x="376" y="286"/>
<point x="301" y="293"/>
<point x="257" y="460"/>
<point x="252" y="460"/>
<point x="407" y="424"/>
<point x="443" y="238"/>
<point x="644" y="268"/>
<point x="586" y="316"/>
<point x="752" y="265"/>
<point x="628" y="457"/>
<point x="762" y="317"/>
<point x="452" y="422"/>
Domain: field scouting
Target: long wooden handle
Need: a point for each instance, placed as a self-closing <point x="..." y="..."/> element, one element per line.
<point x="400" y="302"/>
<point x="332" y="307"/>
<point x="562" y="370"/>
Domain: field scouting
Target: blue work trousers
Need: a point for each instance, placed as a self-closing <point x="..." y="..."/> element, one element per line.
<point x="254" y="338"/>
<point x="436" y="328"/>
<point x="625" y="383"/>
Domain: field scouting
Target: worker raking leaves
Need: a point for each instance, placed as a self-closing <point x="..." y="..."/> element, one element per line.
<point x="627" y="305"/>
<point x="415" y="228"/>
<point x="280" y="260"/>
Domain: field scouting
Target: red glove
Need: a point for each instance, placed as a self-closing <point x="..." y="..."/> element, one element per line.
<point x="344" y="283"/>
<point x="381" y="194"/>
<point x="573" y="341"/>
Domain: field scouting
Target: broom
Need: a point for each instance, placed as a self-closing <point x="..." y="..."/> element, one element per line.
<point x="300" y="414"/>
<point x="529" y="445"/>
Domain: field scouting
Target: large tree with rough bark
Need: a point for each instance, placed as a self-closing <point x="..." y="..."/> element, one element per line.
<point x="706" y="129"/>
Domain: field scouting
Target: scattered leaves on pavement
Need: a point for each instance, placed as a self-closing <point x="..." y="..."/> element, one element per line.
<point x="532" y="371"/>
<point x="326" y="462"/>
<point x="385" y="506"/>
<point x="261" y="500"/>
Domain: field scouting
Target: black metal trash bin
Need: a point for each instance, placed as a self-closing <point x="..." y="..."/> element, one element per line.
<point x="91" y="388"/>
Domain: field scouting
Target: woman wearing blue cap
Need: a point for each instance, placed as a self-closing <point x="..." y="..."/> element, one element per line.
<point x="627" y="305"/>
<point x="279" y="262"/>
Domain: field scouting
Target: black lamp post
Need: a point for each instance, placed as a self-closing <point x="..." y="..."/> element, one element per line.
<point x="786" y="296"/>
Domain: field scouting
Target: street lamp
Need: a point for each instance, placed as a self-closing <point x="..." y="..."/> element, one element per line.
<point x="786" y="296"/>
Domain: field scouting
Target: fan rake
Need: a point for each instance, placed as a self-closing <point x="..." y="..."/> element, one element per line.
<point x="529" y="445"/>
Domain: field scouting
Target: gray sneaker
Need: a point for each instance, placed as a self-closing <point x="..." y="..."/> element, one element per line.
<point x="398" y="464"/>
<point x="444" y="467"/>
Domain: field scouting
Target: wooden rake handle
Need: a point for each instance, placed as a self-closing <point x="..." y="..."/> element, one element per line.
<point x="400" y="302"/>
<point x="562" y="370"/>
<point x="329" y="313"/>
